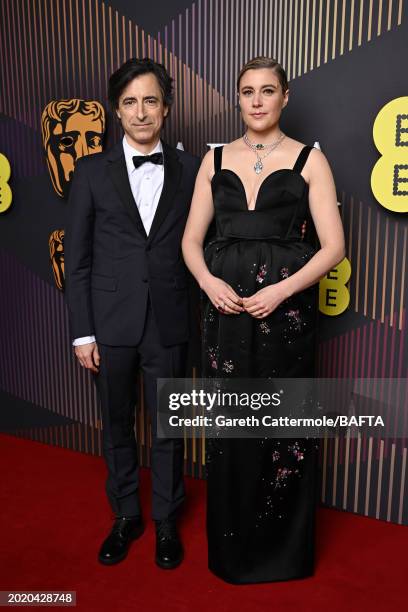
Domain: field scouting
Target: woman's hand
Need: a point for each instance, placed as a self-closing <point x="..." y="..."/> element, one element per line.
<point x="222" y="295"/>
<point x="264" y="301"/>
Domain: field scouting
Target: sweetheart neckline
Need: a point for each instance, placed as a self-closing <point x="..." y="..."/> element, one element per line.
<point x="261" y="184"/>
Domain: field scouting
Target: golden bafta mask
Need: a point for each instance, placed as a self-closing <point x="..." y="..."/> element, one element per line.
<point x="56" y="245"/>
<point x="70" y="129"/>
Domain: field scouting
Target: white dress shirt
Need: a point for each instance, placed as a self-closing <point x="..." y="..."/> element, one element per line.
<point x="146" y="183"/>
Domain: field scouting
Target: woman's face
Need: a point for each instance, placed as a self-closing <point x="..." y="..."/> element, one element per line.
<point x="261" y="99"/>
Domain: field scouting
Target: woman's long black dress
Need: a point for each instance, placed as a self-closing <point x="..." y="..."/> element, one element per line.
<point x="261" y="492"/>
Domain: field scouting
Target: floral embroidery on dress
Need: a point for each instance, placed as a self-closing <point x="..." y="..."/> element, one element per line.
<point x="264" y="327"/>
<point x="295" y="318"/>
<point x="282" y="476"/>
<point x="260" y="277"/>
<point x="303" y="230"/>
<point x="295" y="450"/>
<point x="284" y="272"/>
<point x="275" y="455"/>
<point x="210" y="316"/>
<point x="228" y="366"/>
<point x="213" y="356"/>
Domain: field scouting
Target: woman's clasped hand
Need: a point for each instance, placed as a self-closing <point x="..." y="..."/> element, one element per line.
<point x="258" y="305"/>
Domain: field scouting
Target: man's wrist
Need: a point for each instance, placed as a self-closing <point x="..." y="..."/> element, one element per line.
<point x="84" y="340"/>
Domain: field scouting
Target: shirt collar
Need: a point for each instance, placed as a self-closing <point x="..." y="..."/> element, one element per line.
<point x="130" y="152"/>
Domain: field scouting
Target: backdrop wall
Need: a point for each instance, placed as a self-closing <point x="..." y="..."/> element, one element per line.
<point x="344" y="61"/>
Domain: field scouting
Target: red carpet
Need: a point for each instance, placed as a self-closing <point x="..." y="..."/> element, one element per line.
<point x="54" y="516"/>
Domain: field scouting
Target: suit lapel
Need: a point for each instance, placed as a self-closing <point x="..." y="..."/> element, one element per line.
<point x="118" y="173"/>
<point x="172" y="176"/>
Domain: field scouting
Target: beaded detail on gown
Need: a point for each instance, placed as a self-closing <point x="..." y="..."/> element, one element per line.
<point x="261" y="493"/>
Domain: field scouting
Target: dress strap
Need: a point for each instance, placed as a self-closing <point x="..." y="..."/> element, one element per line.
<point x="218" y="158"/>
<point x="301" y="160"/>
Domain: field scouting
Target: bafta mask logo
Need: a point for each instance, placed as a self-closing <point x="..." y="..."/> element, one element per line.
<point x="56" y="244"/>
<point x="70" y="129"/>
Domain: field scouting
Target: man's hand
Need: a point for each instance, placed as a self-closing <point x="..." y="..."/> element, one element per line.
<point x="88" y="356"/>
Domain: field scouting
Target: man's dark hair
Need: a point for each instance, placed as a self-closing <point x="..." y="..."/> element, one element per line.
<point x="134" y="68"/>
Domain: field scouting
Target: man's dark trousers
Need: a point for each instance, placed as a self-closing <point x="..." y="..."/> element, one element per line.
<point x="117" y="388"/>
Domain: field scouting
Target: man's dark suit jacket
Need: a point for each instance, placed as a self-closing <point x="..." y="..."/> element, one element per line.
<point x="111" y="264"/>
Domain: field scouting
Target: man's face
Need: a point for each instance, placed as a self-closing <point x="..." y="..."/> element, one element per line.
<point x="80" y="135"/>
<point x="141" y="111"/>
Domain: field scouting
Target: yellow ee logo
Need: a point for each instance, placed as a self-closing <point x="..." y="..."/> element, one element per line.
<point x="389" y="177"/>
<point x="334" y="296"/>
<point x="5" y="191"/>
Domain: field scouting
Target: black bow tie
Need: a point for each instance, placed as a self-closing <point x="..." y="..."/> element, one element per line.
<point x="155" y="158"/>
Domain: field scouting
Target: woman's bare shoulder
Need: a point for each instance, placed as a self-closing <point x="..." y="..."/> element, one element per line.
<point x="292" y="144"/>
<point x="234" y="145"/>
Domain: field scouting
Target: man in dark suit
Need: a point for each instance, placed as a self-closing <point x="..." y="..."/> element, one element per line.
<point x="127" y="295"/>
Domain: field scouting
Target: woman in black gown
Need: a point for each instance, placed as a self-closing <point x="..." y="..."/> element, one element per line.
<point x="259" y="278"/>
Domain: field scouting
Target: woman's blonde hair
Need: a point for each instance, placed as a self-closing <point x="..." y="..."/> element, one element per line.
<point x="265" y="62"/>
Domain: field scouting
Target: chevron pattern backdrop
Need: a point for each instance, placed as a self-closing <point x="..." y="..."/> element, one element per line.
<point x="342" y="58"/>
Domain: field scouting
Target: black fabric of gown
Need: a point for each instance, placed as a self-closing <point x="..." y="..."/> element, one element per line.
<point x="262" y="493"/>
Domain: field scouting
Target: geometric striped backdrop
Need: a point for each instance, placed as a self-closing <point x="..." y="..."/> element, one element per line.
<point x="52" y="49"/>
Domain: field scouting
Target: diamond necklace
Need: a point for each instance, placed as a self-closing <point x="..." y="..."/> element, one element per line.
<point x="259" y="147"/>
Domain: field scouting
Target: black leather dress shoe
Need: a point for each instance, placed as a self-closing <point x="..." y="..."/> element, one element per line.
<point x="116" y="546"/>
<point x="169" y="552"/>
